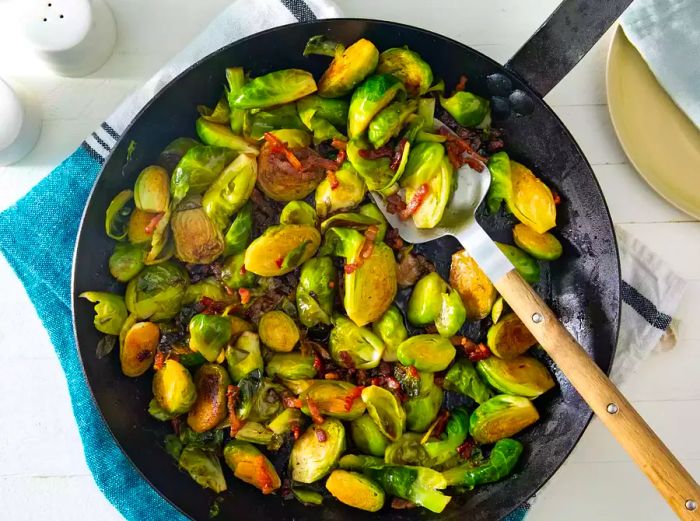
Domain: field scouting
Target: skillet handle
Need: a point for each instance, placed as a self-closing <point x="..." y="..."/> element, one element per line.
<point x="666" y="473"/>
<point x="564" y="38"/>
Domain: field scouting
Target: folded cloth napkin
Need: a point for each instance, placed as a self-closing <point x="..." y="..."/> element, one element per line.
<point x="40" y="252"/>
<point x="667" y="35"/>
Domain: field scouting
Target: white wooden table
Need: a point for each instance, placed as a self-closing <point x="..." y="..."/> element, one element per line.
<point x="42" y="470"/>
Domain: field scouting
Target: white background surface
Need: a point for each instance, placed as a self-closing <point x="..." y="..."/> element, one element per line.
<point x="42" y="470"/>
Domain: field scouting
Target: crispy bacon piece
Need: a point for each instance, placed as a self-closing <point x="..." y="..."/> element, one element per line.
<point x="314" y="411"/>
<point x="159" y="361"/>
<point x="352" y="396"/>
<point x="296" y="430"/>
<point x="211" y="306"/>
<point x="151" y="226"/>
<point x="394" y="204"/>
<point x="332" y="179"/>
<point x="318" y="363"/>
<point x="279" y="147"/>
<point x="368" y="245"/>
<point x="331" y="284"/>
<point x="385" y="151"/>
<point x="415" y="202"/>
<point x="346" y="359"/>
<point x="244" y="293"/>
<point x="350" y="267"/>
<point x="339" y="144"/>
<point x="232" y="392"/>
<point x="331" y="376"/>
<point x="474" y="351"/>
<point x="462" y="84"/>
<point x="556" y="197"/>
<point x="398" y="503"/>
<point x="398" y="154"/>
<point x="393" y="239"/>
<point x="242" y="271"/>
<point x="466" y="448"/>
<point x="440" y="423"/>
<point x="342" y="155"/>
<point x="412" y="371"/>
<point x="264" y="479"/>
<point x="291" y="403"/>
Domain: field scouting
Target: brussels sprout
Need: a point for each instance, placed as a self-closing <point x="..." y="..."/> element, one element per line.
<point x="386" y="411"/>
<point x="509" y="337"/>
<point x="321" y="116"/>
<point x="209" y="288"/>
<point x="463" y="378"/>
<point x="244" y="356"/>
<point x="522" y="376"/>
<point x="359" y="462"/>
<point x="211" y="440"/>
<point x="152" y="190"/>
<point x="274" y="88"/>
<point x="531" y="200"/>
<point x="455" y="433"/>
<point x="356" y="221"/>
<point x="392" y="331"/>
<point x="428" y="165"/>
<point x="197" y="239"/>
<point x="375" y="93"/>
<point x="235" y="78"/>
<point x="278" y="331"/>
<point x="160" y="414"/>
<point x="110" y="311"/>
<point x="283" y="117"/>
<point x="371" y="210"/>
<point x="281" y="249"/>
<point x="238" y="234"/>
<point x="307" y="497"/>
<point x="323" y="46"/>
<point x="254" y="432"/>
<point x="173" y="152"/>
<point x="297" y="386"/>
<point x="316" y="291"/>
<point x="311" y="459"/>
<point x="298" y="212"/>
<point x="500" y="463"/>
<point x="426" y="352"/>
<point x="250" y="465"/>
<point x="136" y="231"/>
<point x="544" y="246"/>
<point x="375" y="172"/>
<point x="355" y="490"/>
<point x="173" y="388"/>
<point x="349" y="192"/>
<point x="348" y="69"/>
<point x="407" y="66"/>
<point x="231" y="190"/>
<point x="285" y="421"/>
<point x="281" y="182"/>
<point x="219" y="114"/>
<point x="209" y="409"/>
<point x="138" y="350"/>
<point x="336" y="399"/>
<point x="474" y="287"/>
<point x="162" y="244"/>
<point x="117" y="215"/>
<point x="421" y="410"/>
<point x="389" y="121"/>
<point x="497" y="310"/>
<point x="209" y="335"/>
<point x="292" y="366"/>
<point x="353" y="346"/>
<point x="433" y="301"/>
<point x="524" y="264"/>
<point x="234" y="275"/>
<point x="468" y="109"/>
<point x="198" y="169"/>
<point x="501" y="188"/>
<point x="126" y="261"/>
<point x="367" y="436"/>
<point x="157" y="292"/>
<point x="407" y="450"/>
<point x="204" y="467"/>
<point x="259" y="401"/>
<point x="419" y="485"/>
<point x="501" y="417"/>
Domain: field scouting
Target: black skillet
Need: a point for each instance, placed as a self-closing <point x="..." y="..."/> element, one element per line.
<point x="582" y="287"/>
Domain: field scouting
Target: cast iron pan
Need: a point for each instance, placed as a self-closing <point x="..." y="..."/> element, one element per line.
<point x="582" y="287"/>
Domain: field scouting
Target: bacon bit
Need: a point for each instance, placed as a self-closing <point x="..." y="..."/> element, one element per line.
<point x="398" y="503"/>
<point x="557" y="198"/>
<point x="243" y="270"/>
<point x="228" y="290"/>
<point x="394" y="204"/>
<point x="211" y="306"/>
<point x="279" y="261"/>
<point x="314" y="411"/>
<point x="318" y="363"/>
<point x="440" y="423"/>
<point x="388" y="382"/>
<point x="349" y="268"/>
<point x="151" y="226"/>
<point x="384" y="151"/>
<point x="415" y="202"/>
<point x="296" y="430"/>
<point x="159" y="361"/>
<point x="453" y="155"/>
<point x="346" y="359"/>
<point x="439" y="380"/>
<point x="291" y="403"/>
<point x="398" y="155"/>
<point x="278" y="146"/>
<point x="321" y="435"/>
<point x="331" y="284"/>
<point x="393" y="239"/>
<point x="475" y="352"/>
<point x="342" y="156"/>
<point x="244" y="293"/>
<point x="466" y="448"/>
<point x="368" y="245"/>
<point x="331" y="376"/>
<point x="263" y="477"/>
<point x="352" y="396"/>
<point x="176" y="423"/>
<point x="339" y="144"/>
<point x="412" y="371"/>
<point x="231" y="397"/>
<point x="332" y="179"/>
<point x="462" y="84"/>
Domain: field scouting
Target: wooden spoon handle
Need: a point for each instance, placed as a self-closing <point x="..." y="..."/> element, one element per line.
<point x="666" y="473"/>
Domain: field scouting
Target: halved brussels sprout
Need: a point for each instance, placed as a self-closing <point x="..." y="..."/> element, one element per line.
<point x="117" y="215"/>
<point x="209" y="335"/>
<point x="244" y="356"/>
<point x="421" y="410"/>
<point x="407" y="66"/>
<point x="260" y="400"/>
<point x="138" y="222"/>
<point x="428" y="169"/>
<point x="219" y="114"/>
<point x="162" y="244"/>
<point x="231" y="190"/>
<point x="138" y="350"/>
<point x="522" y="376"/>
<point x="468" y="109"/>
<point x="531" y="201"/>
<point x="235" y="78"/>
<point x="323" y="46"/>
<point x="497" y="310"/>
<point x="297" y="386"/>
<point x="355" y="490"/>
<point x="455" y="434"/>
<point x="353" y="346"/>
<point x="233" y="273"/>
<point x="209" y="409"/>
<point x="523" y="263"/>
<point x="291" y="366"/>
<point x="359" y="462"/>
<point x="408" y="450"/>
<point x="371" y="210"/>
<point x="316" y="291"/>
<point x="348" y="69"/>
<point x="238" y="234"/>
<point x="197" y="239"/>
<point x="501" y="188"/>
<point x="285" y="421"/>
<point x="322" y="116"/>
<point x="281" y="249"/>
<point x="273" y="119"/>
<point x="509" y="337"/>
<point x="426" y="352"/>
<point x="353" y="220"/>
<point x="204" y="467"/>
<point x="389" y="121"/>
<point x="544" y="246"/>
<point x="210" y="288"/>
<point x="392" y="331"/>
<point x="152" y="190"/>
<point x="274" y="88"/>
<point x="349" y="192"/>
<point x="375" y="93"/>
<point x="126" y="261"/>
<point x="278" y="331"/>
<point x="419" y="485"/>
<point x="198" y="169"/>
<point x="433" y="301"/>
<point x="298" y="212"/>
<point x="307" y="497"/>
<point x="501" y="417"/>
<point x="475" y="289"/>
<point x="281" y="182"/>
<point x="250" y="465"/>
<point x="311" y="459"/>
<point x="254" y="432"/>
<point x="157" y="292"/>
<point x="173" y="152"/>
<point x="110" y="311"/>
<point x="173" y="388"/>
<point x="334" y="398"/>
<point x="500" y="463"/>
<point x="463" y="378"/>
<point x="385" y="410"/>
<point x="367" y="436"/>
<point x="375" y="172"/>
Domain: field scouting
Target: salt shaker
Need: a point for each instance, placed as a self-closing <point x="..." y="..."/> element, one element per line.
<point x="20" y="123"/>
<point x="73" y="37"/>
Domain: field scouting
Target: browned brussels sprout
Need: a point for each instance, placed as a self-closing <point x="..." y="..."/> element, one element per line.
<point x="274" y="88"/>
<point x="386" y="411"/>
<point x="347" y="193"/>
<point x="126" y="261"/>
<point x="531" y="200"/>
<point x="290" y="366"/>
<point x="336" y="399"/>
<point x="509" y="337"/>
<point x="355" y="490"/>
<point x="315" y="293"/>
<point x="152" y="190"/>
<point x="138" y="350"/>
<point x="474" y="287"/>
<point x="173" y="388"/>
<point x="278" y="331"/>
<point x="281" y="249"/>
<point x="250" y="465"/>
<point x="209" y="409"/>
<point x="523" y="375"/>
<point x="156" y="293"/>
<point x="544" y="246"/>
<point x="348" y="68"/>
<point x="311" y="459"/>
<point x="204" y="467"/>
<point x="407" y="66"/>
<point x="280" y="181"/>
<point x="197" y="239"/>
<point x="139" y="222"/>
<point x="501" y="417"/>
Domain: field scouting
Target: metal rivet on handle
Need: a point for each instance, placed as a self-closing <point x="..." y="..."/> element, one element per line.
<point x="691" y="505"/>
<point x="537" y="318"/>
<point x="612" y="408"/>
